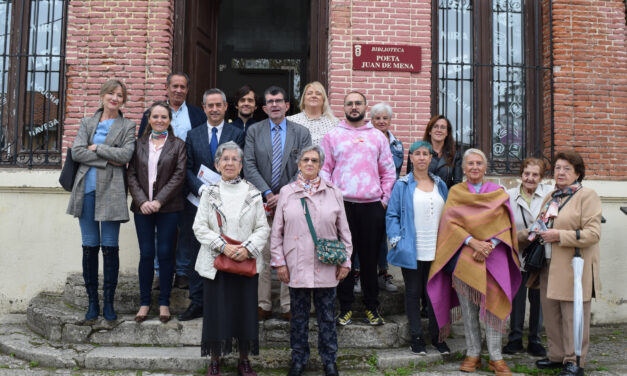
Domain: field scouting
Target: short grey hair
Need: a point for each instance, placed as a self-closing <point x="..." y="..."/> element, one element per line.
<point x="213" y="91"/>
<point x="228" y="146"/>
<point x="380" y="108"/>
<point x="315" y="148"/>
<point x="476" y="152"/>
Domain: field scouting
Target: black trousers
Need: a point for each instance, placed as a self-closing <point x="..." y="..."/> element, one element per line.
<point x="517" y="318"/>
<point x="415" y="289"/>
<point x="366" y="222"/>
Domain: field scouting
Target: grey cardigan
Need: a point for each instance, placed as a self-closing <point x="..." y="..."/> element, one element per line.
<point x="111" y="203"/>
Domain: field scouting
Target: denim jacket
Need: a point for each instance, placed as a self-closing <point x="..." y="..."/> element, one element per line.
<point x="399" y="220"/>
<point x="396" y="147"/>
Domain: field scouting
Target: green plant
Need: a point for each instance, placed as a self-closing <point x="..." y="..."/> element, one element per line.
<point x="458" y="355"/>
<point x="33" y="363"/>
<point x="602" y="369"/>
<point x="373" y="362"/>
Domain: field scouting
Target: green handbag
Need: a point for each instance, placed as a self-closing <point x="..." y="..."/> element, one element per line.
<point x="332" y="252"/>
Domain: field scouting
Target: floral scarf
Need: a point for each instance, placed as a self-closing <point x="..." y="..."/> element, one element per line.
<point x="551" y="208"/>
<point x="309" y="185"/>
<point x="237" y="180"/>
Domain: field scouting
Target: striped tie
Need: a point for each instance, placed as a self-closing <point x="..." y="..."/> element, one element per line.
<point x="277" y="156"/>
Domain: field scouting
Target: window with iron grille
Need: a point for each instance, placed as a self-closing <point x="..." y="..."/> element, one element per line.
<point x="32" y="35"/>
<point x="489" y="77"/>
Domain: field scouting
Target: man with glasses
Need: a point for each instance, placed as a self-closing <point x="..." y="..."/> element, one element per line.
<point x="202" y="143"/>
<point x="359" y="162"/>
<point x="272" y="146"/>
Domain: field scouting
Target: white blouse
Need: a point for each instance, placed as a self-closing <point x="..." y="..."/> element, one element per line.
<point x="317" y="127"/>
<point x="428" y="208"/>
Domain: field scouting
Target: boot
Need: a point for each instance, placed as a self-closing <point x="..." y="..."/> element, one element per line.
<point x="111" y="265"/>
<point x="90" y="275"/>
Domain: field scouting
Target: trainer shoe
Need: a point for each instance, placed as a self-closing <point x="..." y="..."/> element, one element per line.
<point x="344" y="318"/>
<point x="417" y="346"/>
<point x="443" y="348"/>
<point x="373" y="318"/>
<point x="385" y="283"/>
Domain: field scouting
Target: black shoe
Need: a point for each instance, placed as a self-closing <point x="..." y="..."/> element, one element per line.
<point x="417" y="346"/>
<point x="536" y="349"/>
<point x="193" y="312"/>
<point x="514" y="347"/>
<point x="547" y="364"/>
<point x="181" y="282"/>
<point x="331" y="370"/>
<point x="296" y="370"/>
<point x="442" y="347"/>
<point x="570" y="369"/>
<point x="110" y="267"/>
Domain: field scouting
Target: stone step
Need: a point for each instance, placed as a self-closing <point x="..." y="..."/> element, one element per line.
<point x="51" y="317"/>
<point x="16" y="338"/>
<point x="127" y="297"/>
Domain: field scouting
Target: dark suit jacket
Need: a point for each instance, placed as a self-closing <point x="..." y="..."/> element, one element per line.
<point x="199" y="151"/>
<point x="258" y="154"/>
<point x="196" y="117"/>
<point x="170" y="175"/>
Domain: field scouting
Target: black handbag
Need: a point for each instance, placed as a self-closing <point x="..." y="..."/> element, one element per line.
<point x="68" y="172"/>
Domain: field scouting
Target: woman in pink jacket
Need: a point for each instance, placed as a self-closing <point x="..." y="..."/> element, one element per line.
<point x="294" y="257"/>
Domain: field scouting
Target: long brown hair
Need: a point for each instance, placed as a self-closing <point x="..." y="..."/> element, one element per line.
<point x="148" y="129"/>
<point x="448" y="150"/>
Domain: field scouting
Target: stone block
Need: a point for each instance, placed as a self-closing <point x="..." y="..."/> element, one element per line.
<point x="76" y="333"/>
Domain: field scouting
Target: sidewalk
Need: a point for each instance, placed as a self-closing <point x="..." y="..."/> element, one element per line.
<point x="608" y="356"/>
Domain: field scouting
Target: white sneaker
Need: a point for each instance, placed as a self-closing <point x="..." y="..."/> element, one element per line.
<point x="357" y="288"/>
<point x="385" y="283"/>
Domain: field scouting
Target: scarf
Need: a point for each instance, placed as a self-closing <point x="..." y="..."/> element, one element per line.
<point x="491" y="284"/>
<point x="159" y="135"/>
<point x="309" y="185"/>
<point x="551" y="207"/>
<point x="237" y="180"/>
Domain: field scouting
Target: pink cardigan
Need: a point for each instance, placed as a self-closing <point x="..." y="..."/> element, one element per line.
<point x="291" y="241"/>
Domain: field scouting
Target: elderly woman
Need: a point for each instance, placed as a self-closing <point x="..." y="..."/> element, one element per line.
<point x="156" y="176"/>
<point x="446" y="162"/>
<point x="295" y="260"/>
<point x="316" y="114"/>
<point x="572" y="214"/>
<point x="230" y="211"/>
<point x="103" y="146"/>
<point x="476" y="263"/>
<point x="526" y="202"/>
<point x="412" y="220"/>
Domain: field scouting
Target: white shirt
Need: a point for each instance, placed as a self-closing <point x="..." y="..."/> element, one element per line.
<point x="428" y="208"/>
<point x="180" y="122"/>
<point x="218" y="134"/>
<point x="317" y="127"/>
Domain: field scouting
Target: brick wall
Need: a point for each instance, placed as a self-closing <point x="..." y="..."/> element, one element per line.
<point x="127" y="40"/>
<point x="590" y="85"/>
<point x="396" y="22"/>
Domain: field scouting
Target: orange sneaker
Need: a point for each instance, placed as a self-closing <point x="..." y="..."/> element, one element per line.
<point x="470" y="364"/>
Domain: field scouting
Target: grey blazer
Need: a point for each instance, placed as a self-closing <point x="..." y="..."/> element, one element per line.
<point x="118" y="147"/>
<point x="258" y="154"/>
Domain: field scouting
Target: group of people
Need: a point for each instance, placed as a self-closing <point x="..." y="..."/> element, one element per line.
<point x="211" y="198"/>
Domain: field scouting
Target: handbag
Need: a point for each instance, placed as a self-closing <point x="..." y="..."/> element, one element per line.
<point x="332" y="252"/>
<point x="247" y="268"/>
<point x="68" y="172"/>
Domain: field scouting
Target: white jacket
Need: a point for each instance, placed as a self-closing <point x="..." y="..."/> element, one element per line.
<point x="253" y="229"/>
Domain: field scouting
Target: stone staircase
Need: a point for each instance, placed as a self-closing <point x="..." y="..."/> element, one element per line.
<point x="54" y="333"/>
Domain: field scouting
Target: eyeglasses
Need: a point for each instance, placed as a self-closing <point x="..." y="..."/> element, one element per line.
<point x="565" y="168"/>
<point x="272" y="102"/>
<point x="232" y="159"/>
<point x="442" y="127"/>
<point x="355" y="103"/>
<point x="312" y="160"/>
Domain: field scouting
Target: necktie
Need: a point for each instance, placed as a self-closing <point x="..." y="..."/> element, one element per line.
<point x="214" y="141"/>
<point x="277" y="157"/>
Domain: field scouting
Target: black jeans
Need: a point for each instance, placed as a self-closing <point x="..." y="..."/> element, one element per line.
<point x="300" y="302"/>
<point x="517" y="318"/>
<point x="415" y="289"/>
<point x="366" y="222"/>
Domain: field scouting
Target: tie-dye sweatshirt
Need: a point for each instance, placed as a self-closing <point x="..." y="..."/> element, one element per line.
<point x="359" y="162"/>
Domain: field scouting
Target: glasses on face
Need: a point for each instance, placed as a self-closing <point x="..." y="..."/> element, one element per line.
<point x="354" y="103"/>
<point x="564" y="168"/>
<point x="272" y="102"/>
<point x="440" y="126"/>
<point x="230" y="159"/>
<point x="312" y="160"/>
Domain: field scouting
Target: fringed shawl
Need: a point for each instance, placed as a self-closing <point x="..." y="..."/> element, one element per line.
<point x="491" y="284"/>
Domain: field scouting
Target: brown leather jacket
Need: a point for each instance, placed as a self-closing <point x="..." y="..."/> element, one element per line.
<point x="171" y="167"/>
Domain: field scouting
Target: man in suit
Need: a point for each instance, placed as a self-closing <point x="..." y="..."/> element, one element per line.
<point x="202" y="143"/>
<point x="272" y="146"/>
<point x="246" y="104"/>
<point x="184" y="116"/>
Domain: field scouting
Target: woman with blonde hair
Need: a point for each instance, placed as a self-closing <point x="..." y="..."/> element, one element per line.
<point x="316" y="114"/>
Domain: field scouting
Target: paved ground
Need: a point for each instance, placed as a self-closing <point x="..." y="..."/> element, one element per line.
<point x="608" y="356"/>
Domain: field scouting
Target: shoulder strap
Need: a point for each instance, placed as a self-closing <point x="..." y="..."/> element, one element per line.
<point x="523" y="215"/>
<point x="564" y="203"/>
<point x="219" y="221"/>
<point x="311" y="228"/>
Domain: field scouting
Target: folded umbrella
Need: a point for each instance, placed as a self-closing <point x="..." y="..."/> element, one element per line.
<point x="577" y="263"/>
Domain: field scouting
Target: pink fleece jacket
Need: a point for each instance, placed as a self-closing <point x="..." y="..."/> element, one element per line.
<point x="359" y="162"/>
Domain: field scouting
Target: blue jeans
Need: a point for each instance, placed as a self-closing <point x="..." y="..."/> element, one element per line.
<point x="95" y="233"/>
<point x="187" y="251"/>
<point x="145" y="225"/>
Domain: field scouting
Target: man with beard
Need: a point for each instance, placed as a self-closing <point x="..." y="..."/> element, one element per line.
<point x="359" y="162"/>
<point x="246" y="104"/>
